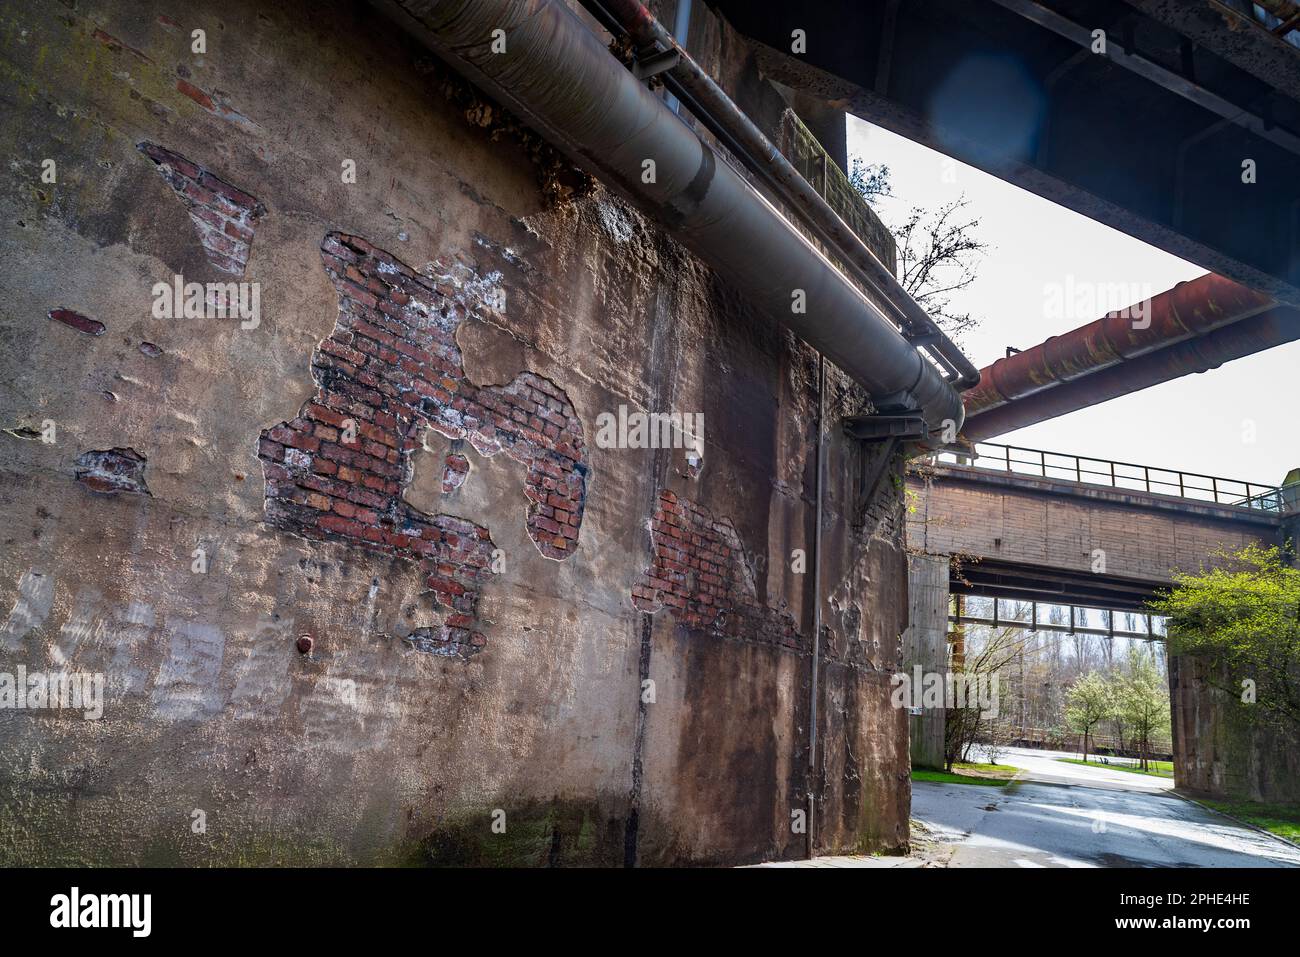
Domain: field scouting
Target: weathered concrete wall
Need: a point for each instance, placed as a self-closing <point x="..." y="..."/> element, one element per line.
<point x="1218" y="751"/>
<point x="925" y="644"/>
<point x="487" y="589"/>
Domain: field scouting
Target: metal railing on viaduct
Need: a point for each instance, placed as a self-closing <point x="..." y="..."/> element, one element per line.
<point x="1125" y="475"/>
<point x="1032" y="525"/>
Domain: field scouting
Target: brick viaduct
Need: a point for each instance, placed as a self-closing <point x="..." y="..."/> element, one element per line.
<point x="1026" y="537"/>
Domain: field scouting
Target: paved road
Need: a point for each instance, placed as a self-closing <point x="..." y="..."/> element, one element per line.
<point x="1068" y="815"/>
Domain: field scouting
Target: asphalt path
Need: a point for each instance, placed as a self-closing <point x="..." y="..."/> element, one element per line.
<point x="1067" y="815"/>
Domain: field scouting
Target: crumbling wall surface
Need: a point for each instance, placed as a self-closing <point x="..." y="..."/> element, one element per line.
<point x="1218" y="750"/>
<point x="360" y="583"/>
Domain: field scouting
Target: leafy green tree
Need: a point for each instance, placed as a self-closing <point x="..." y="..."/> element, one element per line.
<point x="1088" y="703"/>
<point x="1243" y="621"/>
<point x="1140" y="698"/>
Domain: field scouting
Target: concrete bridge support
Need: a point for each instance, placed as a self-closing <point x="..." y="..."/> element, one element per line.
<point x="1217" y="750"/>
<point x="925" y="645"/>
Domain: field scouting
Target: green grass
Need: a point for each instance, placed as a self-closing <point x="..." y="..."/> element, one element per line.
<point x="1159" y="769"/>
<point x="964" y="772"/>
<point x="996" y="770"/>
<point x="1281" y="819"/>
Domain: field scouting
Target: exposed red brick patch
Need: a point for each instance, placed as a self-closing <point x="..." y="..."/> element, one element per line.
<point x="454" y="470"/>
<point x="699" y="573"/>
<point x="223" y="214"/>
<point x="215" y="103"/>
<point x="92" y="327"/>
<point x="112" y="470"/>
<point x="391" y="368"/>
<point x="117" y="46"/>
<point x="195" y="94"/>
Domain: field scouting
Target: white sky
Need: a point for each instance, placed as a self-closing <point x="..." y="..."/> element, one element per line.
<point x="1199" y="423"/>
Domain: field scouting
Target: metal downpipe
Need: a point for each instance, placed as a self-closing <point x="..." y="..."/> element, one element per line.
<point x="814" y="692"/>
<point x="557" y="75"/>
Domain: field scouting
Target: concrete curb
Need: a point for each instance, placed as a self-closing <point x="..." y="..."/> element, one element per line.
<point x="1235" y="820"/>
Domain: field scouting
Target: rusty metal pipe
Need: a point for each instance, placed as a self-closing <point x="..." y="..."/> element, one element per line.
<point x="556" y="74"/>
<point x="1230" y="337"/>
<point x="712" y="107"/>
<point x="1188" y="310"/>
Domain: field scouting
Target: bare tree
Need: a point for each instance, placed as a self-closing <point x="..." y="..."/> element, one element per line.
<point x="938" y="255"/>
<point x="871" y="180"/>
<point x="965" y="723"/>
<point x="938" y="252"/>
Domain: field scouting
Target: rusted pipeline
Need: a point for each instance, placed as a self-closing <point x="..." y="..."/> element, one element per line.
<point x="1188" y="310"/>
<point x="1274" y="327"/>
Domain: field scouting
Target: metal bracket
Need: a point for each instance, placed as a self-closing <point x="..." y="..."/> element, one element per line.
<point x="877" y="428"/>
<point x="890" y="430"/>
<point x="655" y="61"/>
<point x="920" y="339"/>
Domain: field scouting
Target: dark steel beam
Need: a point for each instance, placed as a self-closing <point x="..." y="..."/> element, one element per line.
<point x="1121" y="54"/>
<point x="1233" y="35"/>
<point x="967" y="78"/>
<point x="1060" y="629"/>
<point x="1006" y="580"/>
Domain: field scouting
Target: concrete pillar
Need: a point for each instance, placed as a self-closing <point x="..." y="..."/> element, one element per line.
<point x="1291" y="515"/>
<point x="925" y="643"/>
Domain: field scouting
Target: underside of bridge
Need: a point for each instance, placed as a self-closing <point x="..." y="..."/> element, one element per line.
<point x="991" y="578"/>
<point x="1151" y="134"/>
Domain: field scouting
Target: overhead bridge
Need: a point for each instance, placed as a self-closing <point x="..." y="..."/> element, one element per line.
<point x="1175" y="121"/>
<point x="1026" y="525"/>
<point x="1032" y="525"/>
